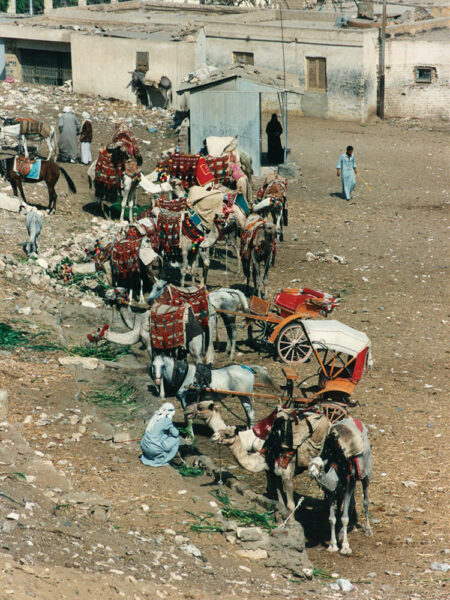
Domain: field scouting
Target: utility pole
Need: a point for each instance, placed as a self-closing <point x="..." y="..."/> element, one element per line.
<point x="284" y="91"/>
<point x="31" y="7"/>
<point x="382" y="63"/>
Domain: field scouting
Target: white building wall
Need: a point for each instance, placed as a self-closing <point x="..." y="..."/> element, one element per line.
<point x="406" y="98"/>
<point x="351" y="64"/>
<point x="101" y="65"/>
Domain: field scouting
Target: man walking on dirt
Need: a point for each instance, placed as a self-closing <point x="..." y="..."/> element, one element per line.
<point x="346" y="169"/>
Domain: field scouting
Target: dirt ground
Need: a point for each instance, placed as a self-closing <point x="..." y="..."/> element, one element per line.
<point x="393" y="235"/>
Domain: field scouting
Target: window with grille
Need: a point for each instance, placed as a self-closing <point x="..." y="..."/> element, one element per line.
<point x="142" y="62"/>
<point x="425" y="74"/>
<point x="245" y="58"/>
<point x="316" y="74"/>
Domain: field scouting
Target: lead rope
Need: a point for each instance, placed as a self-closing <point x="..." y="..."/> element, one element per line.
<point x="220" y="482"/>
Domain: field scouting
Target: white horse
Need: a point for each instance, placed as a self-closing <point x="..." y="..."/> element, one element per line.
<point x="348" y="453"/>
<point x="167" y="374"/>
<point x="43" y="132"/>
<point x="221" y="299"/>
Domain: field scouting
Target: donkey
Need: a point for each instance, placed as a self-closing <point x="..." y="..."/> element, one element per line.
<point x="32" y="130"/>
<point x="33" y="223"/>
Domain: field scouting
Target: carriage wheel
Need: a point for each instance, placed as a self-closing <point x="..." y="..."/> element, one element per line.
<point x="293" y="345"/>
<point x="259" y="332"/>
<point x="334" y="412"/>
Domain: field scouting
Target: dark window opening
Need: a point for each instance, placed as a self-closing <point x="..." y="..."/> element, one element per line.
<point x="142" y="62"/>
<point x="245" y="58"/>
<point x="425" y="74"/>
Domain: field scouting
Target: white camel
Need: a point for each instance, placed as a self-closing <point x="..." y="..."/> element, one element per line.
<point x="37" y="131"/>
<point x="309" y="435"/>
<point x="235" y="378"/>
<point x="348" y="453"/>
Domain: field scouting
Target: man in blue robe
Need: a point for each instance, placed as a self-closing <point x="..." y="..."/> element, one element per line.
<point x="161" y="438"/>
<point x="346" y="169"/>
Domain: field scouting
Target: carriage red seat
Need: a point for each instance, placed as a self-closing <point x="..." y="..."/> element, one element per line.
<point x="295" y="300"/>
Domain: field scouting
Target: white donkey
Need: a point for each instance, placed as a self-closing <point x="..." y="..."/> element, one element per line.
<point x="33" y="222"/>
<point x="31" y="130"/>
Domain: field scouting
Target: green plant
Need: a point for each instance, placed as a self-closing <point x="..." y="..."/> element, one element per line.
<point x="16" y="338"/>
<point x="103" y="350"/>
<point x="186" y="471"/>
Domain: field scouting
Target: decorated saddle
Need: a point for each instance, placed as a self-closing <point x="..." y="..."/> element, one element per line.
<point x="196" y="298"/>
<point x="165" y="202"/>
<point x="32" y="127"/>
<point x="126" y="263"/>
<point x="184" y="167"/>
<point x="144" y="227"/>
<point x="168" y="326"/>
<point x="274" y="186"/>
<point x="108" y="177"/>
<point x="169" y="227"/>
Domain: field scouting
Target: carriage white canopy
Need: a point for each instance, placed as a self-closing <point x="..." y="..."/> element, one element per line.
<point x="338" y="337"/>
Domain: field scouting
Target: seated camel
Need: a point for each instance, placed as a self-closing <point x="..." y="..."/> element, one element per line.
<point x="309" y="435"/>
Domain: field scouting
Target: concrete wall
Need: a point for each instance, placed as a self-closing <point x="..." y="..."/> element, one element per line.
<point x="101" y="65"/>
<point x="405" y="97"/>
<point x="351" y="57"/>
<point x="224" y="111"/>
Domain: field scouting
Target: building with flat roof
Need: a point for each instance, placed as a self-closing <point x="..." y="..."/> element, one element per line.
<point x="333" y="57"/>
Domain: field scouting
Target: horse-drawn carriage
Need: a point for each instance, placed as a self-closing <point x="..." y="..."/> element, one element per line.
<point x="277" y="326"/>
<point x="342" y="354"/>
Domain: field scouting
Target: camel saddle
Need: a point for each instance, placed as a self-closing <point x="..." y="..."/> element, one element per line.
<point x="23" y="165"/>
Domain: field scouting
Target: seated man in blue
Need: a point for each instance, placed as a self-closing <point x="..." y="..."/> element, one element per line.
<point x="161" y="438"/>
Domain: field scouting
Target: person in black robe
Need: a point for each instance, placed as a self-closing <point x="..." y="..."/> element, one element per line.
<point x="275" y="152"/>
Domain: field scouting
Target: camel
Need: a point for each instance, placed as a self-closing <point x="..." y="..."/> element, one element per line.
<point x="128" y="194"/>
<point x="347" y="451"/>
<point x="246" y="445"/>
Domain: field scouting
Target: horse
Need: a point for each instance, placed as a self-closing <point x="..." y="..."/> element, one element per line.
<point x="49" y="172"/>
<point x="24" y="129"/>
<point x="221" y="299"/>
<point x="258" y="247"/>
<point x="128" y="193"/>
<point x="177" y="377"/>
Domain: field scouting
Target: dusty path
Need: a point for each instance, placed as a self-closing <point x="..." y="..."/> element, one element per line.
<point x="394" y="286"/>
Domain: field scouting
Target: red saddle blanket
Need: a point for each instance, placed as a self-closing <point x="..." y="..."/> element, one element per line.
<point x="197" y="299"/>
<point x="168" y="326"/>
<point x="184" y="166"/>
<point x="144" y="228"/>
<point x="274" y="187"/>
<point x="170" y="204"/>
<point x="169" y="228"/>
<point x="106" y="173"/>
<point x="125" y="261"/>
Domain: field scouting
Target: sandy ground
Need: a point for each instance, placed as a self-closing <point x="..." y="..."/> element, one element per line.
<point x="394" y="286"/>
